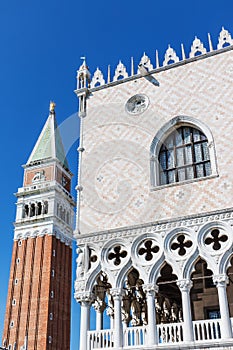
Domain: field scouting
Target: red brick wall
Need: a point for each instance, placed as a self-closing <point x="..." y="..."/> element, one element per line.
<point x="33" y="294"/>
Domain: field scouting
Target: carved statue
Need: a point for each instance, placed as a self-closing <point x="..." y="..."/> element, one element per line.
<point x="126" y="302"/>
<point x="52" y="106"/>
<point x="39" y="176"/>
<point x="110" y="307"/>
<point x="174" y="313"/>
<point x="136" y="312"/>
<point x="80" y="263"/>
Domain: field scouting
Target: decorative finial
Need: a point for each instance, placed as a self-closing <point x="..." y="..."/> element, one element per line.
<point x="52" y="106"/>
<point x="109" y="75"/>
<point x="132" y="66"/>
<point x="157" y="59"/>
<point x="210" y="42"/>
<point x="83" y="58"/>
<point x="183" y="52"/>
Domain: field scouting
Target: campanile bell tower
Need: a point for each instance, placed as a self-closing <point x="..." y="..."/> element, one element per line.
<point x="39" y="294"/>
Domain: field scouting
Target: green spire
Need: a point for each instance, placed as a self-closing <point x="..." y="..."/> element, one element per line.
<point x="49" y="144"/>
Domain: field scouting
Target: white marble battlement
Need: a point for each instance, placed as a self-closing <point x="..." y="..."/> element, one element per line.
<point x="146" y="67"/>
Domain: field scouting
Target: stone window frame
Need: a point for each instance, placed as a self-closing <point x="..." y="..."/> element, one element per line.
<point x="163" y="133"/>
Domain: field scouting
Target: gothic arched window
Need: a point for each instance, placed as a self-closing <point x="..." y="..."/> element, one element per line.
<point x="184" y="155"/>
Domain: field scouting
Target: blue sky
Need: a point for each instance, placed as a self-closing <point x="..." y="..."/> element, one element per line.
<point x="41" y="44"/>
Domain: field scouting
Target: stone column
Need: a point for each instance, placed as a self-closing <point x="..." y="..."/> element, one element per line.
<point x="221" y="282"/>
<point x="85" y="301"/>
<point x="151" y="290"/>
<point x="185" y="286"/>
<point x="118" y="328"/>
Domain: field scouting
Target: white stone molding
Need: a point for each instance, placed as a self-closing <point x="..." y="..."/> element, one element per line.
<point x="224" y="38"/>
<point x="163" y="133"/>
<point x="97" y="79"/>
<point x="170" y="56"/>
<point x="33" y="233"/>
<point x="164" y="235"/>
<point x="197" y="47"/>
<point x="131" y="233"/>
<point x="120" y="72"/>
<point x="145" y="62"/>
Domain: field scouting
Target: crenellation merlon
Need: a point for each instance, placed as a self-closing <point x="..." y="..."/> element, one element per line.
<point x="171" y="60"/>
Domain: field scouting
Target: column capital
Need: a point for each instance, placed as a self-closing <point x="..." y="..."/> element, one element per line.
<point x="85" y="297"/>
<point x="185" y="285"/>
<point x="220" y="280"/>
<point x="150" y="287"/>
<point x="116" y="292"/>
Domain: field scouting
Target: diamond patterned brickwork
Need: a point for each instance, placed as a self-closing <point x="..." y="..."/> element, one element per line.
<point x="115" y="170"/>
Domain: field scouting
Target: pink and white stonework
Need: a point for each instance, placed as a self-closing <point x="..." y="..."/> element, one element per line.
<point x="154" y="223"/>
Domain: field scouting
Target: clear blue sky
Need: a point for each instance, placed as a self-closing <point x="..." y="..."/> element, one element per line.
<point x="41" y="44"/>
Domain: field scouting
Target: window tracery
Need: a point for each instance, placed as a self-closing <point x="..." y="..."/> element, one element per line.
<point x="184" y="155"/>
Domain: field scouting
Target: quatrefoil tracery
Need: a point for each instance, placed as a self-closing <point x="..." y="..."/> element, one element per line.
<point x="93" y="257"/>
<point x="117" y="255"/>
<point x="216" y="239"/>
<point x="149" y="250"/>
<point x="181" y="245"/>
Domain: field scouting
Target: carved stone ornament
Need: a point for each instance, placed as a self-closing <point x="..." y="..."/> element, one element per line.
<point x="85" y="297"/>
<point x="181" y="245"/>
<point x="145" y="62"/>
<point x="197" y="47"/>
<point x="170" y="56"/>
<point x="39" y="176"/>
<point x="98" y="78"/>
<point x="184" y="285"/>
<point x="137" y="104"/>
<point x="220" y="280"/>
<point x="150" y="288"/>
<point x="224" y="39"/>
<point x="120" y="72"/>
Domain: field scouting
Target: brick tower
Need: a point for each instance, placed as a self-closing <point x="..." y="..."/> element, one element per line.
<point x="39" y="293"/>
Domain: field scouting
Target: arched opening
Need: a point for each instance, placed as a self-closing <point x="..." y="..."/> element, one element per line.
<point x="230" y="288"/>
<point x="203" y="295"/>
<point x="33" y="210"/>
<point x="39" y="208"/>
<point x="134" y="307"/>
<point x="183" y="149"/>
<point x="168" y="301"/>
<point x="102" y="308"/>
<point x="184" y="155"/>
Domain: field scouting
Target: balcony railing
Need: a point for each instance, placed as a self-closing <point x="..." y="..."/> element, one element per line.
<point x="171" y="333"/>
